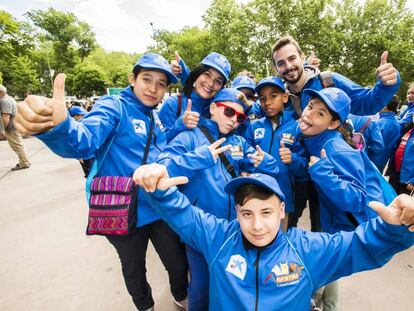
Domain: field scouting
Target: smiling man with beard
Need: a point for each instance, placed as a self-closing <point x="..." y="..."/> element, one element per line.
<point x="289" y="61"/>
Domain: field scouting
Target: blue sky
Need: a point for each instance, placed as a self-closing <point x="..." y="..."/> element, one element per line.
<point x="121" y="25"/>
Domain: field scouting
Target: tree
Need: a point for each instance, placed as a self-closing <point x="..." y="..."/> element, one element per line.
<point x="24" y="77"/>
<point x="88" y="80"/>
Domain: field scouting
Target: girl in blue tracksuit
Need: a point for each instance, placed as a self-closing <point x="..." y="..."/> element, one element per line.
<point x="200" y="86"/>
<point x="190" y="154"/>
<point x="128" y="119"/>
<point x="346" y="180"/>
<point x="279" y="127"/>
<point x="270" y="270"/>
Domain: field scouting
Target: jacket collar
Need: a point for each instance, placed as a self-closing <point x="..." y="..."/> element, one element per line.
<point x="128" y="94"/>
<point x="314" y="144"/>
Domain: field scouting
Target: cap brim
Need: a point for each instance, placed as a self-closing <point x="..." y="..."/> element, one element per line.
<point x="234" y="184"/>
<point x="326" y="100"/>
<point x="172" y="79"/>
<point x="217" y="68"/>
<point x="260" y="86"/>
<point x="244" y="87"/>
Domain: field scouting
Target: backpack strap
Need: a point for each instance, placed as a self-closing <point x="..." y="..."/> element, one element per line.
<point x="365" y="126"/>
<point x="326" y="78"/>
<point x="223" y="158"/>
<point x="180" y="104"/>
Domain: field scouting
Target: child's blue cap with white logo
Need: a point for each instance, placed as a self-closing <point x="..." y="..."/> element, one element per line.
<point x="243" y="82"/>
<point x="261" y="180"/>
<point x="157" y="62"/>
<point x="218" y="62"/>
<point x="230" y="95"/>
<point x="336" y="99"/>
<point x="272" y="81"/>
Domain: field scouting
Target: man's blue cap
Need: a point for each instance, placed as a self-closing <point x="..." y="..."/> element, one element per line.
<point x="272" y="81"/>
<point x="218" y="62"/>
<point x="157" y="62"/>
<point x="336" y="99"/>
<point x="261" y="180"/>
<point x="230" y="95"/>
<point x="243" y="82"/>
<point x="76" y="110"/>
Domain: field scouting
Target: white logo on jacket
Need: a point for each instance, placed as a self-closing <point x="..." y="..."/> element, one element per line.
<point x="139" y="126"/>
<point x="259" y="133"/>
<point x="237" y="266"/>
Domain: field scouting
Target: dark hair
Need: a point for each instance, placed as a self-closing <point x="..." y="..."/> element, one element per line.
<point x="136" y="71"/>
<point x="393" y="104"/>
<point x="285" y="41"/>
<point x="194" y="74"/>
<point x="247" y="192"/>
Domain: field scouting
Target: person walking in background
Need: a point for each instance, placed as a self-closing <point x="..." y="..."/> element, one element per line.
<point x="8" y="110"/>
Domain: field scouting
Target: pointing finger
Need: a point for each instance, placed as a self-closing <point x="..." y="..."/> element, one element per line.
<point x="166" y="183"/>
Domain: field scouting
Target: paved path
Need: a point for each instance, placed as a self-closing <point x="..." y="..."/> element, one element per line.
<point x="48" y="263"/>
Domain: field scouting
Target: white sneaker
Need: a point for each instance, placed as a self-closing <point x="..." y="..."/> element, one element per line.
<point x="182" y="304"/>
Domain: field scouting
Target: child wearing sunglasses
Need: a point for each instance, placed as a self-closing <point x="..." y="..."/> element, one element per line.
<point x="277" y="133"/>
<point x="193" y="155"/>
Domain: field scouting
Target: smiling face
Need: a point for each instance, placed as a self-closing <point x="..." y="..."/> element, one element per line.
<point x="209" y="83"/>
<point x="260" y="219"/>
<point x="226" y="124"/>
<point x="149" y="86"/>
<point x="317" y="118"/>
<point x="272" y="100"/>
<point x="289" y="63"/>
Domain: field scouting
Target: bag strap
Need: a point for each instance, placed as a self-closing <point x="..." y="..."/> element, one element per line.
<point x="226" y="162"/>
<point x="180" y="104"/>
<point x="147" y="146"/>
<point x="352" y="219"/>
<point x="366" y="124"/>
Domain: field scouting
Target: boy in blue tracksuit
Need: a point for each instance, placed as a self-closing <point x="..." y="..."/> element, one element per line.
<point x="254" y="265"/>
<point x="374" y="142"/>
<point x="127" y="121"/>
<point x="278" y="134"/>
<point x="201" y="86"/>
<point x="390" y="131"/>
<point x="193" y="155"/>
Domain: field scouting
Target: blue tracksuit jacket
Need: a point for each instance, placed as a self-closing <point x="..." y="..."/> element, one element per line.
<point x="406" y="117"/>
<point x="168" y="113"/>
<point x="365" y="101"/>
<point x="88" y="137"/>
<point x="188" y="155"/>
<point x="390" y="131"/>
<point x="374" y="142"/>
<point x="283" y="275"/>
<point x="262" y="133"/>
<point x="346" y="181"/>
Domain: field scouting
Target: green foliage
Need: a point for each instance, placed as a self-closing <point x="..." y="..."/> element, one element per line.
<point x="24" y="77"/>
<point x="88" y="80"/>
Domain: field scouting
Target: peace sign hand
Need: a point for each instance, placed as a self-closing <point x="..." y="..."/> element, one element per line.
<point x="216" y="150"/>
<point x="257" y="157"/>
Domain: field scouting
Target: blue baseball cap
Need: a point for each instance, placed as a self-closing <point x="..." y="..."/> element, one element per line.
<point x="261" y="180"/>
<point x="272" y="81"/>
<point x="336" y="99"/>
<point x="157" y="62"/>
<point x="243" y="82"/>
<point x="230" y="95"/>
<point x="76" y="110"/>
<point x="218" y="62"/>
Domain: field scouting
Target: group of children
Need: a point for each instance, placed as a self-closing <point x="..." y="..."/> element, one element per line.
<point x="233" y="158"/>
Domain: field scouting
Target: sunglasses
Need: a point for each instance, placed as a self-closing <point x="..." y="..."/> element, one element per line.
<point x="230" y="112"/>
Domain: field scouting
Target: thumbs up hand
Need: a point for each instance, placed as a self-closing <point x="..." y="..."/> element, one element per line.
<point x="313" y="60"/>
<point x="386" y="72"/>
<point x="314" y="159"/>
<point x="190" y="118"/>
<point x="285" y="153"/>
<point x="175" y="64"/>
<point x="38" y="114"/>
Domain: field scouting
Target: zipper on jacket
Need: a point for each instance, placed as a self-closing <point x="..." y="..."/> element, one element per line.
<point x="229" y="213"/>
<point x="271" y="141"/>
<point x="256" y="263"/>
